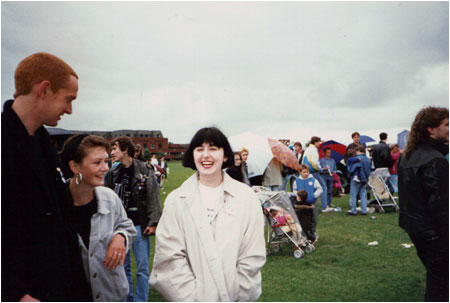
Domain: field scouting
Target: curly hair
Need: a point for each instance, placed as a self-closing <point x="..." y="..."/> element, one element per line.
<point x="430" y="116"/>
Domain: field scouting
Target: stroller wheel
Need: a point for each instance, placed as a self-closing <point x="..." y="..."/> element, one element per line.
<point x="299" y="253"/>
<point x="267" y="251"/>
<point x="309" y="248"/>
<point x="276" y="248"/>
<point x="397" y="209"/>
<point x="382" y="210"/>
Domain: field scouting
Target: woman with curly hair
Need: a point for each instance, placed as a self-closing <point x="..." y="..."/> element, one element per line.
<point x="423" y="192"/>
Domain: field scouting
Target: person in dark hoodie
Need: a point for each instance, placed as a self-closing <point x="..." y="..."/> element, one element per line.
<point x="423" y="194"/>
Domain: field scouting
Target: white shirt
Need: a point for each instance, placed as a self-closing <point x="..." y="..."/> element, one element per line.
<point x="210" y="197"/>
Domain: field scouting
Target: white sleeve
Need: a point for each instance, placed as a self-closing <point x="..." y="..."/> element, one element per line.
<point x="318" y="188"/>
<point x="171" y="274"/>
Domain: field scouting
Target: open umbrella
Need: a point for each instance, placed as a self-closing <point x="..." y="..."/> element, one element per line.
<point x="337" y="150"/>
<point x="364" y="139"/>
<point x="259" y="152"/>
<point x="283" y="154"/>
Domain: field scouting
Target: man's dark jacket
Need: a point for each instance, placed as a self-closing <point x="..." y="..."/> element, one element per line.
<point x="423" y="191"/>
<point x="382" y="155"/>
<point x="146" y="195"/>
<point x="36" y="256"/>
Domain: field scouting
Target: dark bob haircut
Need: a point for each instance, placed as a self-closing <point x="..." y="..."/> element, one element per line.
<point x="213" y="136"/>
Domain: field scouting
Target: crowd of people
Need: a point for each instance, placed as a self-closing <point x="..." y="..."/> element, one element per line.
<point x="71" y="220"/>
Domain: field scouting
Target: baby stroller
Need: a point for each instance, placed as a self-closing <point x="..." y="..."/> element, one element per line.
<point x="380" y="190"/>
<point x="284" y="224"/>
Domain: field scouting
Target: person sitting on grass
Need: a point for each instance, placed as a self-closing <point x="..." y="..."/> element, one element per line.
<point x="308" y="183"/>
<point x="359" y="170"/>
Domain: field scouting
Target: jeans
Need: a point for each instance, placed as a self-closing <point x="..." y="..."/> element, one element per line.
<point x="329" y="184"/>
<point x="389" y="185"/>
<point x="323" y="196"/>
<point x="358" y="188"/>
<point x="273" y="187"/>
<point x="141" y="250"/>
<point x="394" y="182"/>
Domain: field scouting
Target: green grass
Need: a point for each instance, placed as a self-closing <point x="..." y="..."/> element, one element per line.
<point x="343" y="267"/>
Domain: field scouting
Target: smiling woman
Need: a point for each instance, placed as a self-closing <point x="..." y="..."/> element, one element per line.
<point x="210" y="238"/>
<point x="104" y="231"/>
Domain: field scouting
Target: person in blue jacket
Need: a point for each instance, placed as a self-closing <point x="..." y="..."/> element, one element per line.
<point x="308" y="183"/>
<point x="359" y="170"/>
<point x="328" y="168"/>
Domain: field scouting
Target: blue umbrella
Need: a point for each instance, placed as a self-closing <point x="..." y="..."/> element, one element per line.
<point x="364" y="139"/>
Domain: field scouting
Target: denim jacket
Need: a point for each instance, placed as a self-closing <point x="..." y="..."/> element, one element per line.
<point x="331" y="164"/>
<point x="110" y="219"/>
<point x="359" y="166"/>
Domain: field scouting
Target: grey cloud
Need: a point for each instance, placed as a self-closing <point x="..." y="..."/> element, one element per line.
<point x="279" y="68"/>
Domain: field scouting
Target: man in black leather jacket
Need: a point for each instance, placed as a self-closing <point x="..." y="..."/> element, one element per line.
<point x="423" y="173"/>
<point x="381" y="157"/>
<point x="137" y="187"/>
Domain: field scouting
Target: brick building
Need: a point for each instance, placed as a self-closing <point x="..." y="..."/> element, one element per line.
<point x="153" y="140"/>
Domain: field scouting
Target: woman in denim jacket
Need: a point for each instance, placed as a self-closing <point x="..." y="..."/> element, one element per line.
<point x="104" y="231"/>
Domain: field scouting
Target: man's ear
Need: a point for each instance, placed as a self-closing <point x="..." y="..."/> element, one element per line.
<point x="43" y="88"/>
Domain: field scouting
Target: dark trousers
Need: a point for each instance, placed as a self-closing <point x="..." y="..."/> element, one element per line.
<point x="434" y="256"/>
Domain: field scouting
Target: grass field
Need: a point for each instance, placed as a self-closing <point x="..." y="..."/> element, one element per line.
<point x="343" y="267"/>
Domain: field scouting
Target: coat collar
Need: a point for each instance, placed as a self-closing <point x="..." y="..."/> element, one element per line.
<point x="102" y="202"/>
<point x="136" y="170"/>
<point x="189" y="191"/>
<point x="189" y="187"/>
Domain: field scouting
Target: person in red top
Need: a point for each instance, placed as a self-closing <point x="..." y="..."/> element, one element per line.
<point x="395" y="154"/>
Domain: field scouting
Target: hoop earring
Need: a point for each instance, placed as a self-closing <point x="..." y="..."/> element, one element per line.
<point x="78" y="178"/>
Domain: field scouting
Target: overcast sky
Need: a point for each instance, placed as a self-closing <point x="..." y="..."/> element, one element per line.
<point x="279" y="69"/>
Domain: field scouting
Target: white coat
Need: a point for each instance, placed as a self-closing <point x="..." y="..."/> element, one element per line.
<point x="199" y="261"/>
<point x="110" y="219"/>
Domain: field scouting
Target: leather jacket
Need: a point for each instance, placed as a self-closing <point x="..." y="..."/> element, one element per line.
<point x="144" y="190"/>
<point x="382" y="155"/>
<point x="423" y="191"/>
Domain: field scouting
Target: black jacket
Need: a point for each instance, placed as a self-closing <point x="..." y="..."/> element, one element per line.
<point x="235" y="172"/>
<point x="36" y="251"/>
<point x="145" y="194"/>
<point x="423" y="191"/>
<point x="382" y="155"/>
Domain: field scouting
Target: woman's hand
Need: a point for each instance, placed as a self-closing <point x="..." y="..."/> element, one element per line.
<point x="116" y="252"/>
